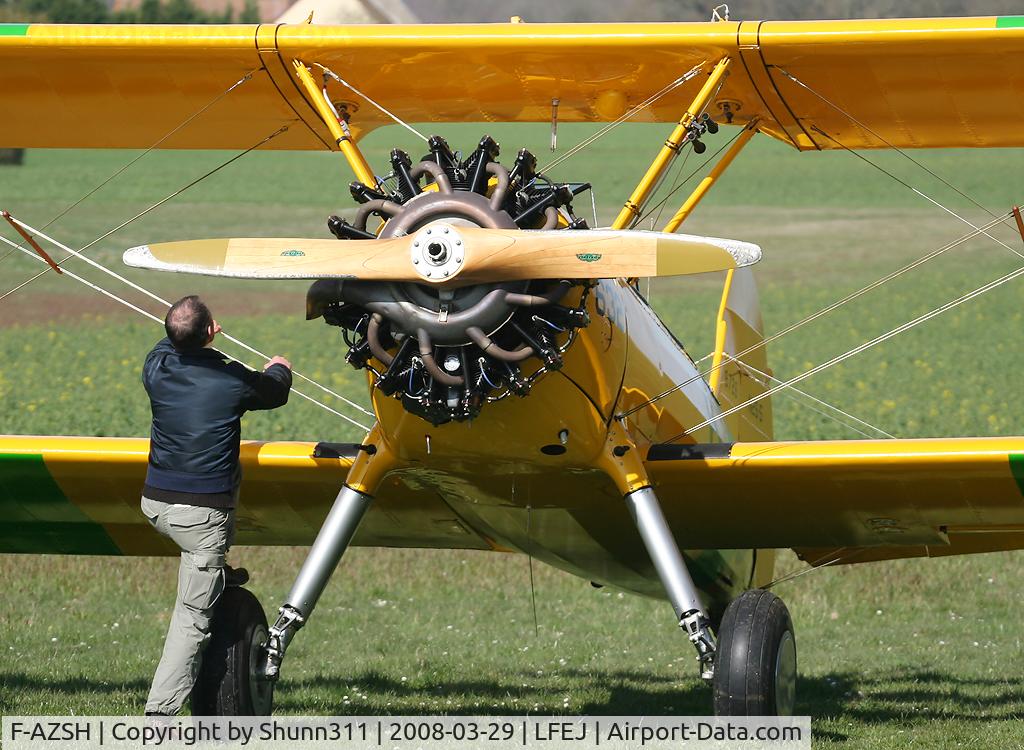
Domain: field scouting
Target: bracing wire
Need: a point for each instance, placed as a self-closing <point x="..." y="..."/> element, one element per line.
<point x="153" y="207"/>
<point x="825" y="414"/>
<point x="820" y="313"/>
<point x="771" y="378"/>
<point x="977" y="230"/>
<point x="859" y="349"/>
<point x="533" y="585"/>
<point x="379" y="106"/>
<point x="918" y="192"/>
<point x="159" y="321"/>
<point x="248" y="76"/>
<point x="819" y="564"/>
<point x="674" y="187"/>
<point x="157" y="298"/>
<point x="184" y="123"/>
<point x="79" y="254"/>
<point x="895" y="148"/>
<point x="689" y="177"/>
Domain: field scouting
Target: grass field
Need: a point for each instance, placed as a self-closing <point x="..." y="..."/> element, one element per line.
<point x="912" y="654"/>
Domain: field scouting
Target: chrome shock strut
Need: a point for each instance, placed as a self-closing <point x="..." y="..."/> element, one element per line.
<point x="625" y="467"/>
<point x="331" y="542"/>
<point x="674" y="575"/>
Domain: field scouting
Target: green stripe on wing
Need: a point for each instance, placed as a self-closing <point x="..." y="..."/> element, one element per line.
<point x="36" y="516"/>
<point x="1017" y="469"/>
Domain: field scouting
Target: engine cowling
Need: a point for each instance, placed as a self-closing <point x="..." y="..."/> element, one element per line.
<point x="445" y="352"/>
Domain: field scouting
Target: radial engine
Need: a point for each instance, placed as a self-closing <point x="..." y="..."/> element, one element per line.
<point x="445" y="351"/>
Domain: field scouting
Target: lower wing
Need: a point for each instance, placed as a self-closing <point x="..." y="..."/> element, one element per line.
<point x="846" y="501"/>
<point x="81" y="496"/>
<point x="831" y="501"/>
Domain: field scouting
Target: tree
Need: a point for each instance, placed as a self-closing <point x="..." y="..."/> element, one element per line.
<point x="250" y="13"/>
<point x="67" y="11"/>
<point x="97" y="11"/>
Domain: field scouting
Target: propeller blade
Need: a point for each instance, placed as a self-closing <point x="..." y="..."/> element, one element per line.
<point x="450" y="255"/>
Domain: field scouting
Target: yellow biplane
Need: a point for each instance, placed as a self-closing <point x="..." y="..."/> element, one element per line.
<point x="526" y="396"/>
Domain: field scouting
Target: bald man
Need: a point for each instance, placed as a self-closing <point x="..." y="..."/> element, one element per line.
<point x="198" y="397"/>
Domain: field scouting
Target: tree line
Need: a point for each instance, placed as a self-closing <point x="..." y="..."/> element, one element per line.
<point x="700" y="10"/>
<point x="97" y="11"/>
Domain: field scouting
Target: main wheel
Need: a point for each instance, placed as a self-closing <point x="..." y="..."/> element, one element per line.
<point x="755" y="665"/>
<point x="228" y="683"/>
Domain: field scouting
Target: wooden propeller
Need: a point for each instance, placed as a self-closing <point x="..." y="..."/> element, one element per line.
<point x="453" y="256"/>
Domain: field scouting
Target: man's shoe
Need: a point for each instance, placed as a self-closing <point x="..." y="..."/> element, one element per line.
<point x="235" y="576"/>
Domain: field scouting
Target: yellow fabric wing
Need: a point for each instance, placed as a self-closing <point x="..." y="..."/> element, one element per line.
<point x="907" y="82"/>
<point x="846" y="501"/>
<point x="81" y="496"/>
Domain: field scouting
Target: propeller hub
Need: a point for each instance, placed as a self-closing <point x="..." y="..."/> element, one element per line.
<point x="437" y="252"/>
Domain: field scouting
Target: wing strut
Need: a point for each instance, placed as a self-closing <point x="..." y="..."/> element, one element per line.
<point x="337" y="126"/>
<point x="712" y="177"/>
<point x="631" y="211"/>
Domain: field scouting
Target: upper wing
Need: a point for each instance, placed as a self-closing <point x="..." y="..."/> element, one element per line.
<point x="81" y="496"/>
<point x="906" y="83"/>
<point x="849" y="500"/>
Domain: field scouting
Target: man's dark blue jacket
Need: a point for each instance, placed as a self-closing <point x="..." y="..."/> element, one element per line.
<point x="198" y="398"/>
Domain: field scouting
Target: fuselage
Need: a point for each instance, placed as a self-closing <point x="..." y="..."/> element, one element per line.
<point x="525" y="474"/>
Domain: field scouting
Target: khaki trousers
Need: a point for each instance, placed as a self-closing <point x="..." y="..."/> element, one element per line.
<point x="204" y="536"/>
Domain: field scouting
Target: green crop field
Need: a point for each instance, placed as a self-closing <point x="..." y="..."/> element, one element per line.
<point x="919" y="653"/>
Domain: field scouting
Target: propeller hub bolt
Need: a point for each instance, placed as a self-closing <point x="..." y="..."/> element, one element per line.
<point x="436" y="250"/>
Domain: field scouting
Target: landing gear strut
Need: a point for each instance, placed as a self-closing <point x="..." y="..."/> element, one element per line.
<point x="752" y="668"/>
<point x="622" y="463"/>
<point x="334" y="537"/>
<point x="668" y="561"/>
<point x="324" y="556"/>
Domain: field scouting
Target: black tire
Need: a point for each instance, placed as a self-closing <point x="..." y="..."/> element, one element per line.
<point x="755" y="666"/>
<point x="226" y="685"/>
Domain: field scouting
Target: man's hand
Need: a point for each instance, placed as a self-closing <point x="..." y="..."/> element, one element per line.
<point x="277" y="361"/>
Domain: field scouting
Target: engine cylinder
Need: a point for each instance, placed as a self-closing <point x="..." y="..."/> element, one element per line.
<point x="446" y="352"/>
